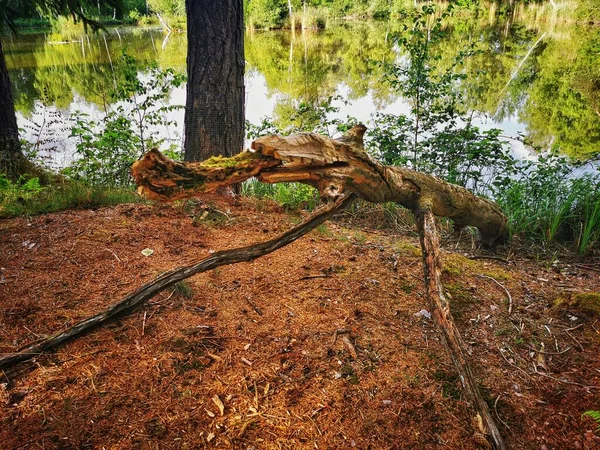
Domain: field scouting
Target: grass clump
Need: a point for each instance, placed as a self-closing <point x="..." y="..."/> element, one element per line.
<point x="291" y="196"/>
<point x="27" y="197"/>
<point x="183" y="288"/>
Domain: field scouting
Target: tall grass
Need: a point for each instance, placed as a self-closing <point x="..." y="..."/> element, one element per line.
<point x="548" y="205"/>
<point x="31" y="199"/>
<point x="289" y="195"/>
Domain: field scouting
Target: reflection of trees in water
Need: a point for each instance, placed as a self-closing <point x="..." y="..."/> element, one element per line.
<point x="55" y="72"/>
<point x="308" y="67"/>
<point x="555" y="92"/>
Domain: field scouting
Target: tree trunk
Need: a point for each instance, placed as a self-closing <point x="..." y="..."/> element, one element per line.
<point x="12" y="161"/>
<point x="333" y="167"/>
<point x="214" y="112"/>
<point x="336" y="168"/>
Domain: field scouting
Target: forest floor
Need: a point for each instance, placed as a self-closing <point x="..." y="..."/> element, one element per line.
<point x="319" y="345"/>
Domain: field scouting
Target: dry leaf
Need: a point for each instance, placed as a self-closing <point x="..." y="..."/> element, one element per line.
<point x="217" y="401"/>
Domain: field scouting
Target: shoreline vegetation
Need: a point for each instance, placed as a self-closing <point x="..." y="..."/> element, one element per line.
<point x="315" y="14"/>
<point x="548" y="202"/>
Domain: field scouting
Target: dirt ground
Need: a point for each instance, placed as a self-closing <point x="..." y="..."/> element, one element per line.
<point x="319" y="345"/>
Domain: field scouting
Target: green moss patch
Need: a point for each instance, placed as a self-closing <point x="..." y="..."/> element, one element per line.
<point x="589" y="302"/>
<point x="455" y="264"/>
<point x="240" y="159"/>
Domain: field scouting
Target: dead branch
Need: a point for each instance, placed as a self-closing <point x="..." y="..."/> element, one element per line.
<point x="440" y="309"/>
<point x="138" y="297"/>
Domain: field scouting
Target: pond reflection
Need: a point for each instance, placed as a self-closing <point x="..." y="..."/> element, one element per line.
<point x="537" y="78"/>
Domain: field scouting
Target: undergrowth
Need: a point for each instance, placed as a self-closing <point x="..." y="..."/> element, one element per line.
<point x="27" y="197"/>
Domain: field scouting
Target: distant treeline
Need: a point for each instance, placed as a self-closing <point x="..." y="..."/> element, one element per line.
<point x="302" y="13"/>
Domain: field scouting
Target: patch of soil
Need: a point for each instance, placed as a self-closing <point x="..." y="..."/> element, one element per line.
<point x="316" y="345"/>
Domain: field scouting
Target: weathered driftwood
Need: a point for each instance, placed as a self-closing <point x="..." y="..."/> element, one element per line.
<point x="138" y="297"/>
<point x="332" y="166"/>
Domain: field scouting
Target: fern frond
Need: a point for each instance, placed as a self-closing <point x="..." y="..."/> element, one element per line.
<point x="595" y="415"/>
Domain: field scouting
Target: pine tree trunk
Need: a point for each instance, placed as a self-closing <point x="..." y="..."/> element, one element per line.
<point x="214" y="113"/>
<point x="12" y="161"/>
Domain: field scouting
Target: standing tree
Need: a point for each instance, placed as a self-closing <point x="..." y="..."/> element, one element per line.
<point x="214" y="109"/>
<point x="12" y="161"/>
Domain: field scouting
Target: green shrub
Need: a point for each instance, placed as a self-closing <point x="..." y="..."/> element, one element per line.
<point x="106" y="149"/>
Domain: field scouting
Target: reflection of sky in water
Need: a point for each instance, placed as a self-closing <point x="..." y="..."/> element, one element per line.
<point x="259" y="104"/>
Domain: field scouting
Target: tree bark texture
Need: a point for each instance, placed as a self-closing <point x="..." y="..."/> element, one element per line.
<point x="451" y="338"/>
<point x="214" y="110"/>
<point x="333" y="166"/>
<point x="12" y="161"/>
<point x="138" y="297"/>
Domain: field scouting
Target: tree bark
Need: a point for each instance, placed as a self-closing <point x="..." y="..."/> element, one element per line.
<point x="12" y="161"/>
<point x="333" y="167"/>
<point x="138" y="297"/>
<point x="214" y="112"/>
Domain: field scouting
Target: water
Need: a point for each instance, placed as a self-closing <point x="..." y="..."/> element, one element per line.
<point x="538" y="81"/>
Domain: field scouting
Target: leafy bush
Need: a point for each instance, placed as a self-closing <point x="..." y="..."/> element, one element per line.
<point x="18" y="191"/>
<point x="595" y="415"/>
<point x="106" y="149"/>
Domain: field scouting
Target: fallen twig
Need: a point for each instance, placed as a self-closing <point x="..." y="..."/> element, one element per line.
<point x="254" y="306"/>
<point x="575" y="340"/>
<point x="498" y="415"/>
<point x="349" y="346"/>
<point x="543" y="352"/>
<point x="586" y="267"/>
<point x="565" y="381"/>
<point x="510" y="301"/>
<point x="448" y="331"/>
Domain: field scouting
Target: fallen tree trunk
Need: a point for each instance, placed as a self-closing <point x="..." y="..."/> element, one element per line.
<point x="138" y="297"/>
<point x="340" y="170"/>
<point x="340" y="166"/>
<point x="332" y="166"/>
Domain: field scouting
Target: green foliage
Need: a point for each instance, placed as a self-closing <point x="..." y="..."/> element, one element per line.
<point x="29" y="198"/>
<point x="106" y="149"/>
<point x="265" y="13"/>
<point x="438" y="136"/>
<point x="545" y="200"/>
<point x="17" y="192"/>
<point x="291" y="196"/>
<point x="173" y="11"/>
<point x="183" y="288"/>
<point x="595" y="415"/>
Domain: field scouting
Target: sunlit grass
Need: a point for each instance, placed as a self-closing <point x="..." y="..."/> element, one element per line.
<point x="55" y="198"/>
